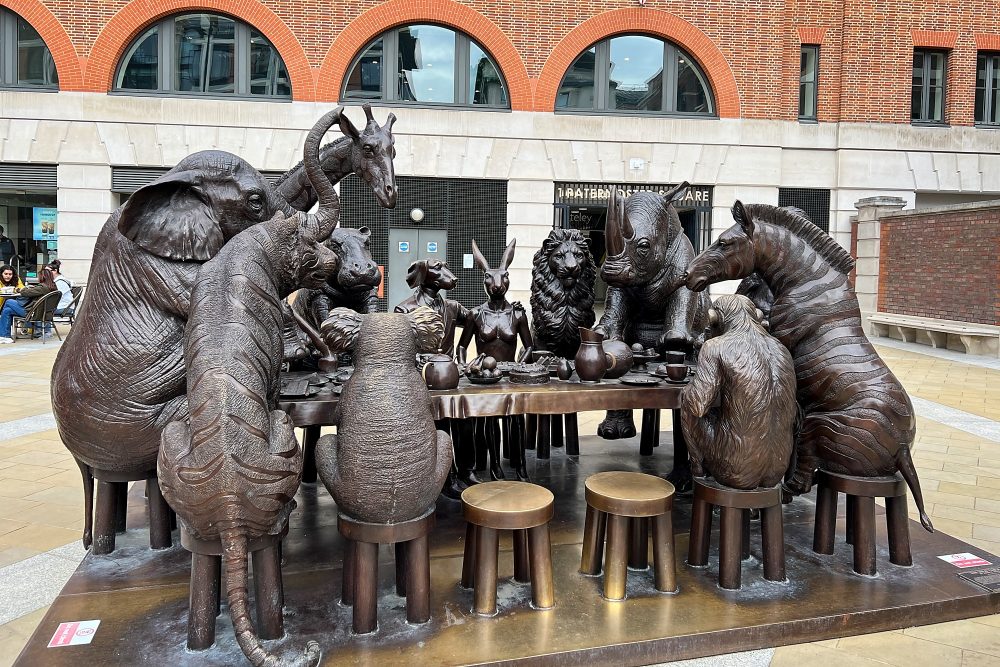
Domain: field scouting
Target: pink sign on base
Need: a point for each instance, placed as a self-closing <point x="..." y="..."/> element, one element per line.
<point x="74" y="633"/>
<point x="964" y="560"/>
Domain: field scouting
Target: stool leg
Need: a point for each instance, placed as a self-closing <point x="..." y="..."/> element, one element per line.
<point x="347" y="589"/>
<point x="572" y="435"/>
<point x="532" y="431"/>
<point x="745" y="550"/>
<point x="159" y="516"/>
<point x="638" y="551"/>
<point x="418" y="581"/>
<point x="864" y="535"/>
<point x="730" y="548"/>
<point x="826" y="520"/>
<point x="266" y="573"/>
<point x="203" y="601"/>
<point x="469" y="557"/>
<point x="121" y="505"/>
<point x="593" y="541"/>
<point x="521" y="568"/>
<point x="400" y="549"/>
<point x="310" y="437"/>
<point x="664" y="568"/>
<point x="544" y="431"/>
<point x="365" y="587"/>
<point x="646" y="433"/>
<point x="615" y="570"/>
<point x="852" y="511"/>
<point x="487" y="548"/>
<point x="542" y="594"/>
<point x="772" y="530"/>
<point x="899" y="531"/>
<point x="104" y="518"/>
<point x="701" y="532"/>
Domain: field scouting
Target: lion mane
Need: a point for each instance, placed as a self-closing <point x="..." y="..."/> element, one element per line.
<point x="557" y="313"/>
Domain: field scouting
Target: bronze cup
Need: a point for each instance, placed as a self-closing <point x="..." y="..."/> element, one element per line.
<point x="677" y="372"/>
<point x="675" y="357"/>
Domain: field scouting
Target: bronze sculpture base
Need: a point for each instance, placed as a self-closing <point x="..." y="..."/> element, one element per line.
<point x="141" y="596"/>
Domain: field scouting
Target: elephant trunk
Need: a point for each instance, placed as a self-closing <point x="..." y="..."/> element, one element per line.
<point x="234" y="548"/>
<point x="328" y="214"/>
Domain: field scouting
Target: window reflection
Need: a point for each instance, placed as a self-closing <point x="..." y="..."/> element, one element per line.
<point x="427" y="64"/>
<point x="635" y="78"/>
<point x="268" y="75"/>
<point x="365" y="79"/>
<point x="140" y="72"/>
<point x="577" y="89"/>
<point x="485" y="82"/>
<point x="691" y="95"/>
<point x="35" y="66"/>
<point x="204" y="48"/>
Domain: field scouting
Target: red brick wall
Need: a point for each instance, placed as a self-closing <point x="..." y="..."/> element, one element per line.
<point x="751" y="50"/>
<point x="942" y="265"/>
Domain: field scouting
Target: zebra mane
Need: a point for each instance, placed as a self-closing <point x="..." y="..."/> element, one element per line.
<point x="801" y="226"/>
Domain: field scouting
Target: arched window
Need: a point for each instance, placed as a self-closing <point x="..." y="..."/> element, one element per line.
<point x="25" y="60"/>
<point x="426" y="64"/>
<point x="203" y="54"/>
<point x="635" y="73"/>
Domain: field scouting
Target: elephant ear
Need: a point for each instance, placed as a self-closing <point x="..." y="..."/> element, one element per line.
<point x="428" y="327"/>
<point x="340" y="330"/>
<point x="171" y="218"/>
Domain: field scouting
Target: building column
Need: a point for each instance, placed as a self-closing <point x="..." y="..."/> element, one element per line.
<point x="529" y="219"/>
<point x="870" y="211"/>
<point x="85" y="200"/>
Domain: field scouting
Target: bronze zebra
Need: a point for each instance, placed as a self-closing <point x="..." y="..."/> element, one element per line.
<point x="231" y="470"/>
<point x="858" y="419"/>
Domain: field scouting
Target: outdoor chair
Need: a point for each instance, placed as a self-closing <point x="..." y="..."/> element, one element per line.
<point x="69" y="312"/>
<point x="38" y="318"/>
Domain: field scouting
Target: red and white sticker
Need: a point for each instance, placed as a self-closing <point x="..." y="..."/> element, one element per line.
<point x="964" y="560"/>
<point x="73" y="634"/>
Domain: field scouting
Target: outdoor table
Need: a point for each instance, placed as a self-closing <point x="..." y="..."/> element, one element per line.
<point x="503" y="399"/>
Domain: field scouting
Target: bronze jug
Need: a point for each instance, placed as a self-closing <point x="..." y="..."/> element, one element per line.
<point x="591" y="363"/>
<point x="440" y="372"/>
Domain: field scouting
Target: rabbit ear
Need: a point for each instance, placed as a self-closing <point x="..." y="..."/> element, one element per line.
<point x="480" y="260"/>
<point x="508" y="255"/>
<point x="340" y="330"/>
<point x="428" y="328"/>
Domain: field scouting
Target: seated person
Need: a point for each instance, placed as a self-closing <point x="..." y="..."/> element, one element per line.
<point x="65" y="286"/>
<point x="9" y="279"/>
<point x="21" y="303"/>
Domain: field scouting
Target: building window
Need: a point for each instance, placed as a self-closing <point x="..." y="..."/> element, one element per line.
<point x="988" y="89"/>
<point x="808" y="76"/>
<point x="929" y="72"/>
<point x="203" y="54"/>
<point x="426" y="65"/>
<point x="814" y="202"/>
<point x="635" y="73"/>
<point x="25" y="60"/>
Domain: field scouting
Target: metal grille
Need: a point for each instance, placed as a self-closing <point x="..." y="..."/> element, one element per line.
<point x="468" y="209"/>
<point x="126" y="180"/>
<point x="814" y="201"/>
<point x="27" y="176"/>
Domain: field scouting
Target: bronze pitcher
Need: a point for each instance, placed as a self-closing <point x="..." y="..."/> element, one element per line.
<point x="591" y="364"/>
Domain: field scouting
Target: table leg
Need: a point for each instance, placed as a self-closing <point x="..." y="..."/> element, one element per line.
<point x="557" y="430"/>
<point x="572" y="435"/>
<point x="310" y="437"/>
<point x="646" y="433"/>
<point x="544" y="433"/>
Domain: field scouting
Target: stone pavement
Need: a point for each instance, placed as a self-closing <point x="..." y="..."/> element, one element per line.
<point x="957" y="399"/>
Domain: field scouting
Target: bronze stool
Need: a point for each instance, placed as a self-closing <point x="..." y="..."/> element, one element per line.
<point x="522" y="508"/>
<point x="413" y="567"/>
<point x="734" y="533"/>
<point x="624" y="504"/>
<point x="206" y="584"/>
<point x="112" y="505"/>
<point x="861" y="493"/>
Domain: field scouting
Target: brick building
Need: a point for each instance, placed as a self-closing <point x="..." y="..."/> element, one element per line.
<point x="534" y="110"/>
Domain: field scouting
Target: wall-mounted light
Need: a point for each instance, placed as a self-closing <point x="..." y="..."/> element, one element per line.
<point x="417" y="214"/>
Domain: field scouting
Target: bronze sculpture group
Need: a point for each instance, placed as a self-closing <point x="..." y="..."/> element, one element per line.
<point x="173" y="374"/>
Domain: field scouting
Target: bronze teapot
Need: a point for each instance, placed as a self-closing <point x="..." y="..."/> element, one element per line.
<point x="440" y="372"/>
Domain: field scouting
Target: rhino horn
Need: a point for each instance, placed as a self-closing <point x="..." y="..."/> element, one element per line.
<point x="612" y="229"/>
